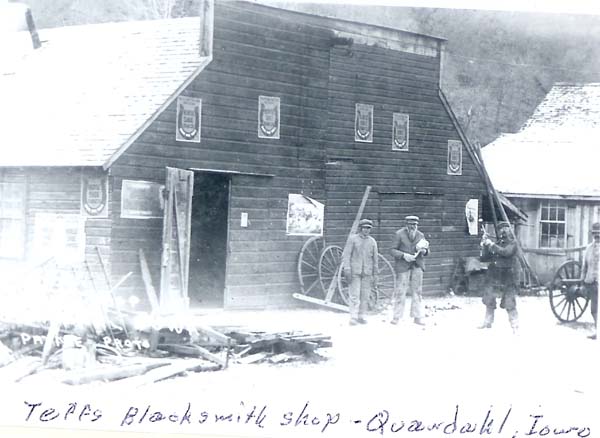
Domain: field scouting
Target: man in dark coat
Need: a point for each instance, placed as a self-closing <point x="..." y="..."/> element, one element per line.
<point x="501" y="279"/>
<point x="408" y="249"/>
<point x="360" y="267"/>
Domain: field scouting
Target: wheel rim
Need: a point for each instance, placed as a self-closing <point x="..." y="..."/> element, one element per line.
<point x="381" y="295"/>
<point x="568" y="300"/>
<point x="329" y="263"/>
<point x="308" y="266"/>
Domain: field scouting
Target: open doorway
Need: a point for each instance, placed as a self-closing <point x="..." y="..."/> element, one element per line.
<point x="208" y="243"/>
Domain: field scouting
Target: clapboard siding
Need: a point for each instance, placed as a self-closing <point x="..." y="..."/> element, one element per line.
<point x="392" y="81"/>
<point x="254" y="54"/>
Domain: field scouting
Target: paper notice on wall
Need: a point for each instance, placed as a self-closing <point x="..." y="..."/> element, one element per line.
<point x="472" y="215"/>
<point x="304" y="216"/>
<point x="59" y="235"/>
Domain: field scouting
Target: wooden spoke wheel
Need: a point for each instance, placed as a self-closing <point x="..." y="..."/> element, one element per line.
<point x="308" y="266"/>
<point x="329" y="266"/>
<point x="568" y="296"/>
<point x="382" y="294"/>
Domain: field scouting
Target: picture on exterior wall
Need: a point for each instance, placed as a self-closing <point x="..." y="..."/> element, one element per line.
<point x="363" y="123"/>
<point x="94" y="196"/>
<point x="304" y="216"/>
<point x="189" y="110"/>
<point x="454" y="157"/>
<point x="400" y="132"/>
<point x="268" y="117"/>
<point x="141" y="199"/>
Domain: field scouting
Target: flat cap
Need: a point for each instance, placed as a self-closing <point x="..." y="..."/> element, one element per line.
<point x="412" y="219"/>
<point x="365" y="223"/>
<point x="596" y="228"/>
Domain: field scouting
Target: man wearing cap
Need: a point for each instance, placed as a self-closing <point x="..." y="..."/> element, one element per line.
<point x="409" y="246"/>
<point x="360" y="267"/>
<point x="501" y="279"/>
<point x="590" y="273"/>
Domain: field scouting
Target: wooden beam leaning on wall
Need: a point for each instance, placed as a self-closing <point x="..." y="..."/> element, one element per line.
<point x="475" y="155"/>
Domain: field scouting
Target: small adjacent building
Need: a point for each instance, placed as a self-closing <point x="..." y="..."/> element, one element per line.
<point x="549" y="169"/>
<point x="218" y="144"/>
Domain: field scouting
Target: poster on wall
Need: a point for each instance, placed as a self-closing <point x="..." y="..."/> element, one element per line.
<point x="58" y="235"/>
<point x="141" y="199"/>
<point x="454" y="157"/>
<point x="472" y="215"/>
<point x="363" y="123"/>
<point x="189" y="112"/>
<point x="400" y="132"/>
<point x="268" y="117"/>
<point x="94" y="196"/>
<point x="304" y="216"/>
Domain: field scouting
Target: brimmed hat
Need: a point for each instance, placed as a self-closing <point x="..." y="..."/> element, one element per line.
<point x="412" y="219"/>
<point x="365" y="223"/>
<point x="596" y="228"/>
<point x="503" y="224"/>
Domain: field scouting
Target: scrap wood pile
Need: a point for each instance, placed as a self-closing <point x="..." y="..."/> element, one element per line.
<point x="137" y="357"/>
<point x="254" y="347"/>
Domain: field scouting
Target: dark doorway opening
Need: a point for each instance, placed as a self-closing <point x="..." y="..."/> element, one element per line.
<point x="208" y="244"/>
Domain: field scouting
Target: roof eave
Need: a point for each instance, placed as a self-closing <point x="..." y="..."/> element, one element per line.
<point x="125" y="146"/>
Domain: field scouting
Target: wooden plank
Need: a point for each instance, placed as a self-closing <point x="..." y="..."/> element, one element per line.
<point x="150" y="291"/>
<point x="320" y="302"/>
<point x="253" y="358"/>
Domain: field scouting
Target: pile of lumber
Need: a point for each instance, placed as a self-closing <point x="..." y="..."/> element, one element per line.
<point x="255" y="347"/>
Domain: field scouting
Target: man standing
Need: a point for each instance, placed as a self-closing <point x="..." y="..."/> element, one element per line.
<point x="408" y="249"/>
<point x="501" y="280"/>
<point x="590" y="273"/>
<point x="360" y="267"/>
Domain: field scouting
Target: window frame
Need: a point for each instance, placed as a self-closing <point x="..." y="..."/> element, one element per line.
<point x="550" y="204"/>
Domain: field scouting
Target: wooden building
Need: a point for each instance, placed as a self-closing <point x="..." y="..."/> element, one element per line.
<point x="202" y="128"/>
<point x="548" y="169"/>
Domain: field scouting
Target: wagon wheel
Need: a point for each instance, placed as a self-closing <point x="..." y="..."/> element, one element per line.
<point x="568" y="297"/>
<point x="382" y="294"/>
<point x="329" y="264"/>
<point x="308" y="266"/>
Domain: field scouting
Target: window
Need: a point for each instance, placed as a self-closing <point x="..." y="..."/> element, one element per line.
<point x="553" y="225"/>
<point x="12" y="215"/>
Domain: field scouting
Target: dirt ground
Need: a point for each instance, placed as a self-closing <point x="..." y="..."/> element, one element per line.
<point x="378" y="375"/>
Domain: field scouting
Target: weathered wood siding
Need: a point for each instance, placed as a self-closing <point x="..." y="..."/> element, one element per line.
<point x="580" y="216"/>
<point x="255" y="53"/>
<point x="319" y="79"/>
<point x="57" y="191"/>
<point x="404" y="182"/>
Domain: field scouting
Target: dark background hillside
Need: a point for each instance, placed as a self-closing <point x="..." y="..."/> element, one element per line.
<point x="498" y="65"/>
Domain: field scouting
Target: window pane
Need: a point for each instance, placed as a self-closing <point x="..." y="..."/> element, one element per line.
<point x="561" y="214"/>
<point x="544" y="213"/>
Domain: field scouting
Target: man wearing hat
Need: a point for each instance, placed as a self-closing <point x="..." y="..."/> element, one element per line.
<point x="501" y="279"/>
<point x="360" y="267"/>
<point x="408" y="249"/>
<point x="590" y="273"/>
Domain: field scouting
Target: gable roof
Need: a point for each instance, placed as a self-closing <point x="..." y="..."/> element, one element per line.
<point x="555" y="152"/>
<point x="89" y="89"/>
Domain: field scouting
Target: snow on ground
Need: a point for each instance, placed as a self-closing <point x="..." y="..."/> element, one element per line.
<point x="405" y="369"/>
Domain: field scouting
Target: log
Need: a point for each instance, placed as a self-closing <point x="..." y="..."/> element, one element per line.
<point x="194" y="350"/>
<point x="253" y="358"/>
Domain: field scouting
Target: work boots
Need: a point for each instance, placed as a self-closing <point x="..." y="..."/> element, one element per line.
<point x="488" y="320"/>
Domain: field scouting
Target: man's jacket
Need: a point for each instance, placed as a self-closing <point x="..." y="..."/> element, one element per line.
<point x="403" y="244"/>
<point x="362" y="256"/>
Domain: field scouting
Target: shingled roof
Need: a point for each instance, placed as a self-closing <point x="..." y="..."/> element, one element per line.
<point x="556" y="152"/>
<point x="89" y="89"/>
